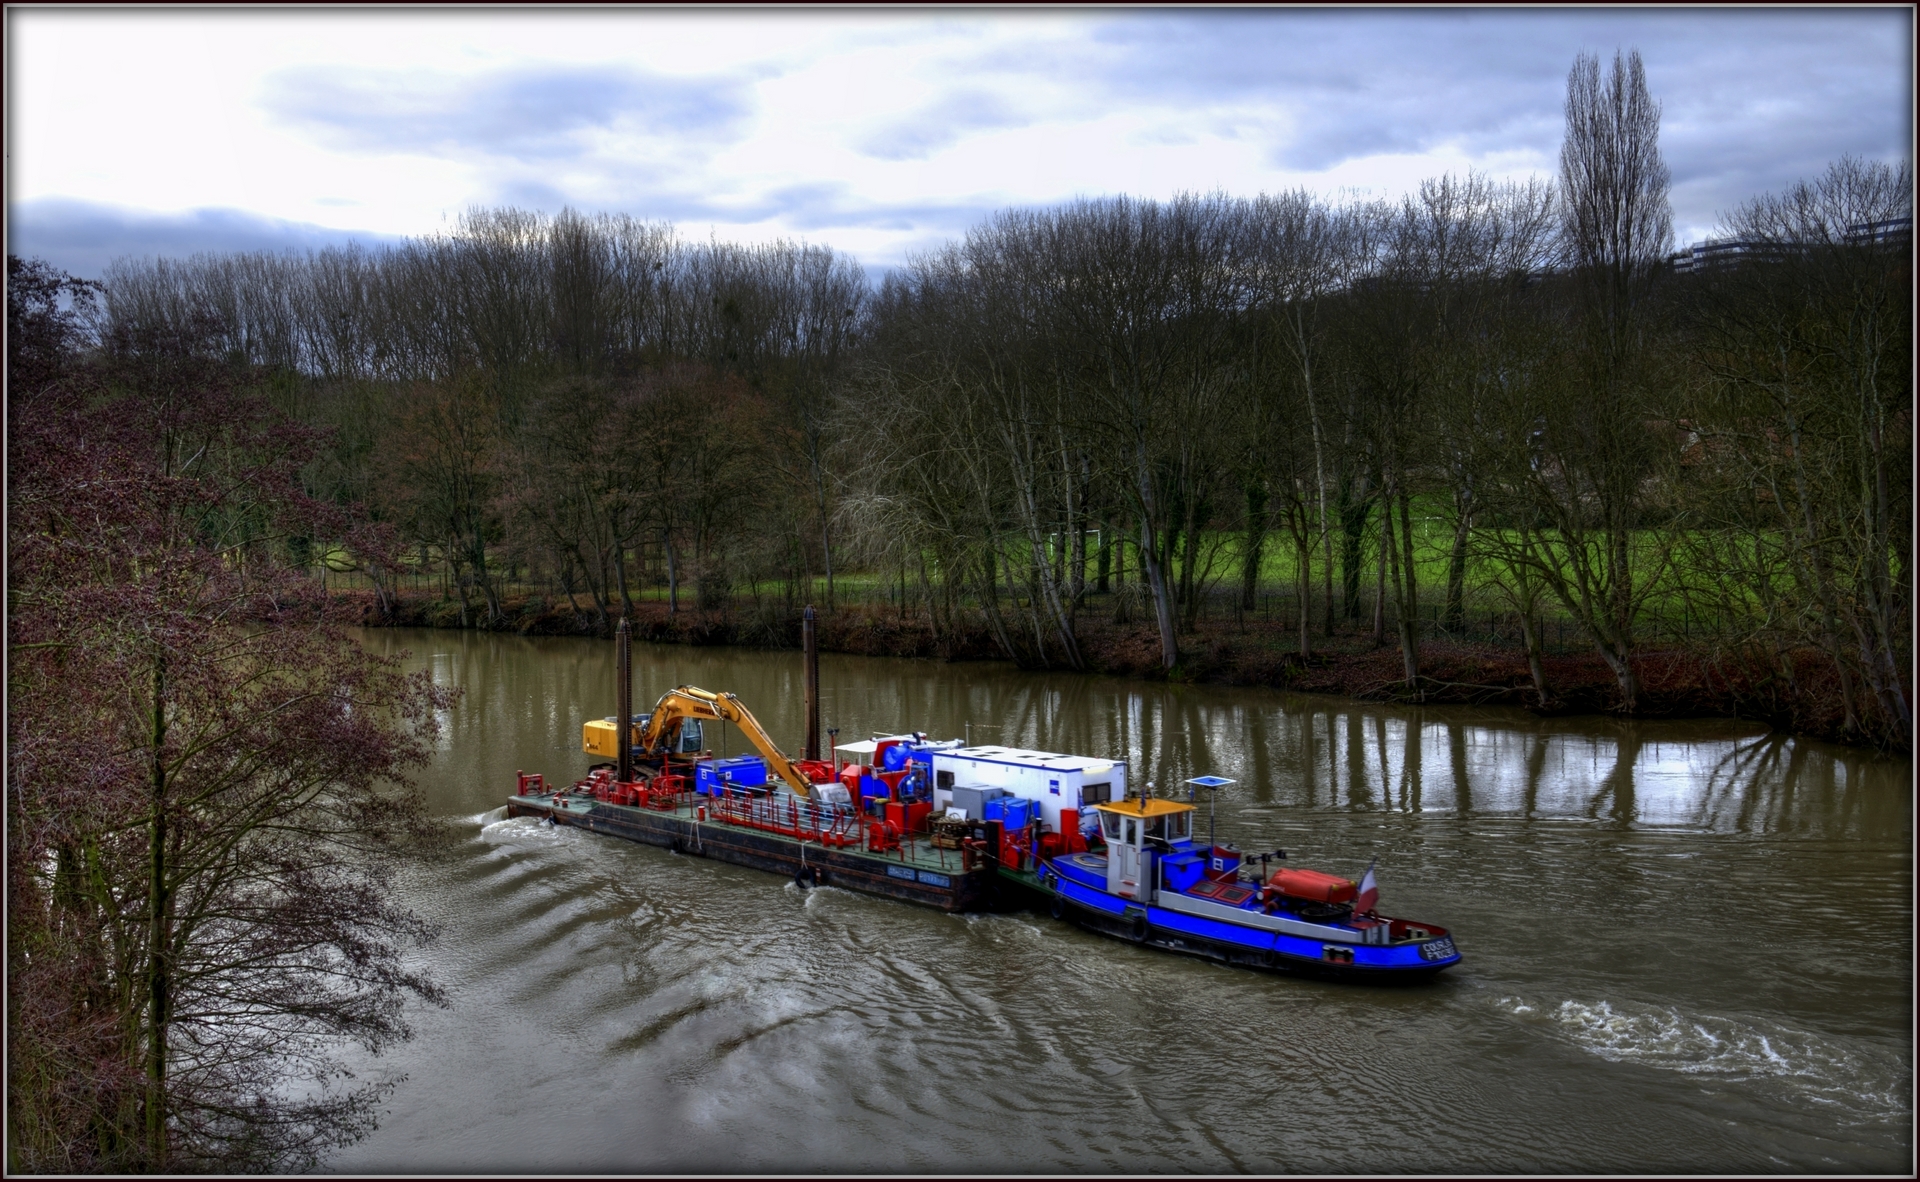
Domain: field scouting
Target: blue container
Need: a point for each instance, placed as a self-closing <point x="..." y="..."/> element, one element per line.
<point x="1183" y="870"/>
<point x="742" y="771"/>
<point x="1019" y="812"/>
<point x="996" y="809"/>
<point x="895" y="758"/>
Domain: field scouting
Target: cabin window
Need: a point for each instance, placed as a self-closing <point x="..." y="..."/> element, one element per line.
<point x="1167" y="827"/>
<point x="1112" y="823"/>
<point x="691" y="736"/>
<point x="1096" y="794"/>
<point x="943" y="779"/>
<point x="1133" y="832"/>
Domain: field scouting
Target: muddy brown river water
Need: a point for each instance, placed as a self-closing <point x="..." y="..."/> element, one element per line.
<point x="1689" y="947"/>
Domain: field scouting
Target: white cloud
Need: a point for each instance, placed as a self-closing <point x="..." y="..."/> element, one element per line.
<point x="876" y="132"/>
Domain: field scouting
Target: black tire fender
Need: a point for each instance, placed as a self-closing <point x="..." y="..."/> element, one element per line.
<point x="1139" y="927"/>
<point x="1059" y="908"/>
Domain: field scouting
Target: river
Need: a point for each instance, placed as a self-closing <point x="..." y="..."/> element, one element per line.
<point x="1689" y="947"/>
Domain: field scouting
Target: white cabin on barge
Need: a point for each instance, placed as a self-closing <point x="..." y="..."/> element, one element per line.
<point x="1052" y="781"/>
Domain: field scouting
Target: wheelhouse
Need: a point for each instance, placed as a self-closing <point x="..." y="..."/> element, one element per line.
<point x="1137" y="832"/>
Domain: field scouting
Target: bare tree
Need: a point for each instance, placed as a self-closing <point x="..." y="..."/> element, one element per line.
<point x="1146" y="299"/>
<point x="1304" y="250"/>
<point x="1592" y="465"/>
<point x="1618" y="222"/>
<point x="1804" y="447"/>
<point x="440" y="464"/>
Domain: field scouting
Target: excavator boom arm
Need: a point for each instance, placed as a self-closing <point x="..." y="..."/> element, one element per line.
<point x="691" y="702"/>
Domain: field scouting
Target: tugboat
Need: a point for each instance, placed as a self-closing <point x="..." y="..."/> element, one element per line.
<point x="1155" y="886"/>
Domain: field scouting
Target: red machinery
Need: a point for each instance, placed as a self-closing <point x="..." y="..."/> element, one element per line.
<point x="819" y="771"/>
<point x="908" y="818"/>
<point x="882" y="837"/>
<point x="1016" y="848"/>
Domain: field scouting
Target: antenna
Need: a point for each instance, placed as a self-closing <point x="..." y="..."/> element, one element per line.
<point x="1213" y="785"/>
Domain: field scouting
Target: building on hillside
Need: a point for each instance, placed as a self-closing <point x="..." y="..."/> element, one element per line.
<point x="1893" y="230"/>
<point x="1714" y="253"/>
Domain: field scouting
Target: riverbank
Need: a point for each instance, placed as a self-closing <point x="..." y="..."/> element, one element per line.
<point x="1675" y="683"/>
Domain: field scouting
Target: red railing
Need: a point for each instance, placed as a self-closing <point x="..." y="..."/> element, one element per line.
<point x="788" y="816"/>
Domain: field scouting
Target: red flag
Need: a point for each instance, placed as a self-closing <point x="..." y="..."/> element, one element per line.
<point x="1369" y="892"/>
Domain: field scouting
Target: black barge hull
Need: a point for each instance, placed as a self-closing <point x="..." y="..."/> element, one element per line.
<point x="943" y="888"/>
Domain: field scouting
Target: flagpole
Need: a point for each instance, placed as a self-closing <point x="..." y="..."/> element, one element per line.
<point x="1369" y="893"/>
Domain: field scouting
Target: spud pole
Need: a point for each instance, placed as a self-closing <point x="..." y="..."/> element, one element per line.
<point x="623" y="647"/>
<point x="810" y="647"/>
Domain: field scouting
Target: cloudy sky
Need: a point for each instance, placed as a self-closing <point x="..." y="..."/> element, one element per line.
<point x="877" y="133"/>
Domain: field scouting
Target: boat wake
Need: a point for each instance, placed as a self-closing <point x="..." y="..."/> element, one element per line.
<point x="487" y="818"/>
<point x="1820" y="1070"/>
<point x="521" y="831"/>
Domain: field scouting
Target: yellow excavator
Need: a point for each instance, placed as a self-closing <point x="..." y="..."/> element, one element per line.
<point x="677" y="705"/>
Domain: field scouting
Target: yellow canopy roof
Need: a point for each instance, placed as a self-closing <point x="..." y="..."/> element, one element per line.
<point x="1145" y="808"/>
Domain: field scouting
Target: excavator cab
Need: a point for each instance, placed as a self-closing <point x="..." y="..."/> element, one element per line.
<point x="691" y="740"/>
<point x="599" y="736"/>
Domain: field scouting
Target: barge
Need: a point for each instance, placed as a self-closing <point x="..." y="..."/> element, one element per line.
<point x="822" y="822"/>
<point x="965" y="828"/>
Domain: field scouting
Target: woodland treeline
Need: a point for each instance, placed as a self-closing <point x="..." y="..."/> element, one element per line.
<point x="1479" y="396"/>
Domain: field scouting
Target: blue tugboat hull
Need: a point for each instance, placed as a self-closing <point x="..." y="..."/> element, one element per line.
<point x="1078" y="899"/>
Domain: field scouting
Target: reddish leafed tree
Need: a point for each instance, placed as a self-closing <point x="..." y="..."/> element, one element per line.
<point x="206" y="779"/>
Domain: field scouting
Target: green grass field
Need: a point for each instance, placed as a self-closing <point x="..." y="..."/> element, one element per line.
<point x="1487" y="606"/>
